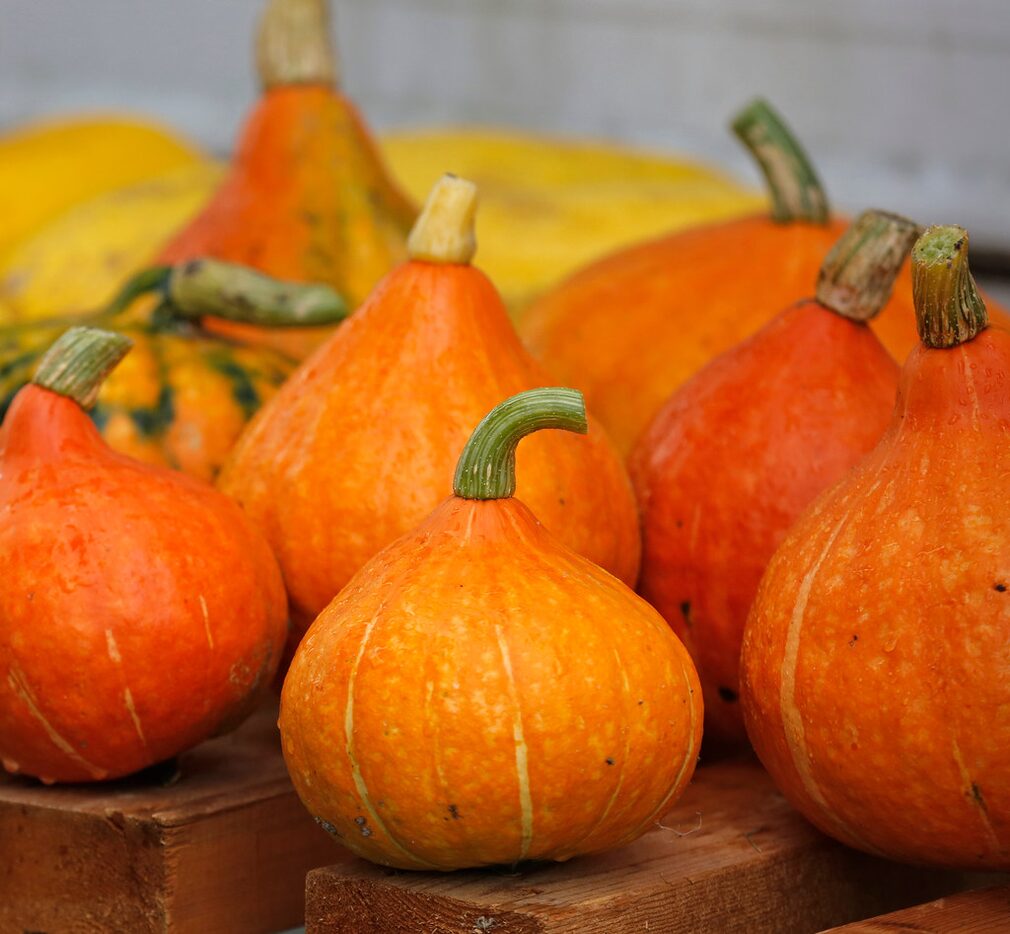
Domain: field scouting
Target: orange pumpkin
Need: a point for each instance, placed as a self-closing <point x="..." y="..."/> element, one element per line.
<point x="479" y="694"/>
<point x="630" y="328"/>
<point x="875" y="659"/>
<point x="399" y="387"/>
<point x="307" y="197"/>
<point x="140" y="612"/>
<point x="739" y="451"/>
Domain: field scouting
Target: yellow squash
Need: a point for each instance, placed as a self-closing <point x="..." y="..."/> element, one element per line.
<point x="548" y="205"/>
<point x="78" y="261"/>
<point x="48" y="166"/>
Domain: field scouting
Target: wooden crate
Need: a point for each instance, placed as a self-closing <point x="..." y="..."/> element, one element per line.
<point x="732" y="855"/>
<point x="220" y="844"/>
<point x="983" y="911"/>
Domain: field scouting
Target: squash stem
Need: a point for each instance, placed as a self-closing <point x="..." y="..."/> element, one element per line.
<point x="795" y="189"/>
<point x="293" y="44"/>
<point x="153" y="279"/>
<point x="444" y="231"/>
<point x="487" y="466"/>
<point x="78" y="362"/>
<point x="857" y="276"/>
<point x="948" y="308"/>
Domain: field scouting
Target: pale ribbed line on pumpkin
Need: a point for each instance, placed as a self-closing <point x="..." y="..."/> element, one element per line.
<point x="970" y="791"/>
<point x="522" y="764"/>
<point x="359" y="781"/>
<point x="206" y="620"/>
<point x="113" y="649"/>
<point x="128" y="700"/>
<point x="18" y="685"/>
<point x="969" y="382"/>
<point x="792" y="719"/>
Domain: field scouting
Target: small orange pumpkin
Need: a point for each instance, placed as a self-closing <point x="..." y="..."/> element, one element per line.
<point x="398" y="388"/>
<point x="140" y="612"/>
<point x="479" y="694"/>
<point x="875" y="659"/>
<point x="740" y="450"/>
<point x="307" y="198"/>
<point x="630" y="328"/>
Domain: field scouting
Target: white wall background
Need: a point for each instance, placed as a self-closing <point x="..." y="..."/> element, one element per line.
<point x="903" y="103"/>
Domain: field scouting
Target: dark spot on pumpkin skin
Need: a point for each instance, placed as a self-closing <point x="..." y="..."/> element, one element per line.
<point x="976" y="794"/>
<point x="1001" y="587"/>
<point x="328" y="827"/>
<point x="454" y="812"/>
<point x="729" y="695"/>
<point x="685" y="611"/>
<point x="853" y="640"/>
<point x="242" y="389"/>
<point x="363" y="824"/>
<point x="609" y="761"/>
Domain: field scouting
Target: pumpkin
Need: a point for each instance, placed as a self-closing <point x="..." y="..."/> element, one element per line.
<point x="574" y="200"/>
<point x="307" y="197"/>
<point x="875" y="658"/>
<point x="630" y="328"/>
<point x="48" y="166"/>
<point x="399" y="387"/>
<point x="737" y="453"/>
<point x="183" y="396"/>
<point x="480" y="694"/>
<point x="140" y="611"/>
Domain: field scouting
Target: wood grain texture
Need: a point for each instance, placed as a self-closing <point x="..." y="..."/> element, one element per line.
<point x="730" y="856"/>
<point x="221" y="844"/>
<point x="984" y="911"/>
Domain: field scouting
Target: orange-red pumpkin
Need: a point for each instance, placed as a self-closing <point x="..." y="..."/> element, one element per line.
<point x="140" y="611"/>
<point x="307" y="198"/>
<point x="479" y="694"/>
<point x="630" y="328"/>
<point x="740" y="450"/>
<point x="875" y="659"/>
<point x="396" y="391"/>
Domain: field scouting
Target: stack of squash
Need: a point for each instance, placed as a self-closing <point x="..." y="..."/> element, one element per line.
<point x="420" y="528"/>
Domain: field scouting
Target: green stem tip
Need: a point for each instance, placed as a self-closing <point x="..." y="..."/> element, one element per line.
<point x="487" y="466"/>
<point x="78" y="362"/>
<point x="857" y="276"/>
<point x="212" y="287"/>
<point x="795" y="189"/>
<point x="948" y="308"/>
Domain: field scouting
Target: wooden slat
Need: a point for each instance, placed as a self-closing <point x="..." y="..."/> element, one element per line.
<point x="731" y="856"/>
<point x="222" y="847"/>
<point x="984" y="911"/>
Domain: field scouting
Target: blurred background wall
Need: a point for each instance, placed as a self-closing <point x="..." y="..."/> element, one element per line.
<point x="903" y="103"/>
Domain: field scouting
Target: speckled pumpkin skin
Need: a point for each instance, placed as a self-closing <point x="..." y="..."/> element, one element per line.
<point x="307" y="199"/>
<point x="361" y="443"/>
<point x="730" y="462"/>
<point x="479" y="694"/>
<point x="140" y="611"/>
<point x="875" y="658"/>
<point x="179" y="399"/>
<point x="632" y="327"/>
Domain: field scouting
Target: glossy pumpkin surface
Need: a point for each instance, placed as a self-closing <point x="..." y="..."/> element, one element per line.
<point x="140" y="612"/>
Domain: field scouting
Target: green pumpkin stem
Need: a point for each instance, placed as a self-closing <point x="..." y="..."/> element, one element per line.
<point x="153" y="279"/>
<point x="293" y="44"/>
<point x="203" y="287"/>
<point x="78" y="362"/>
<point x="795" y="189"/>
<point x="857" y="276"/>
<point x="948" y="308"/>
<point x="487" y="466"/>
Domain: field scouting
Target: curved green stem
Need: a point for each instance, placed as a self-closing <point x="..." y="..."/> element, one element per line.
<point x="153" y="279"/>
<point x="78" y="362"/>
<point x="948" y="308"/>
<point x="857" y="276"/>
<point x="203" y="287"/>
<point x="796" y="192"/>
<point x="487" y="466"/>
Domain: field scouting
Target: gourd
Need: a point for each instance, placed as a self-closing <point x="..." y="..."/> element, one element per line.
<point x="140" y="611"/>
<point x="480" y="694"/>
<point x="48" y="166"/>
<point x="738" y="452"/>
<point x="574" y="200"/>
<point x="78" y="261"/>
<point x="183" y="396"/>
<point x="398" y="388"/>
<point x="630" y="328"/>
<point x="307" y="197"/>
<point x="875" y="656"/>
